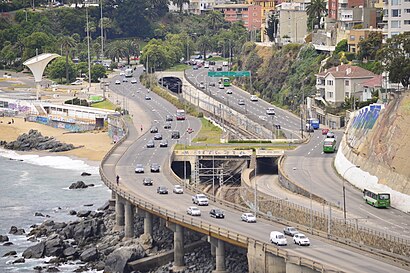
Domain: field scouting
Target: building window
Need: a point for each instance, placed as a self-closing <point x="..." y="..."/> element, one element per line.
<point x="395" y="2"/>
<point x="347" y="82"/>
<point x="407" y="11"/>
<point x="347" y="94"/>
<point x="330" y="94"/>
<point x="396" y="12"/>
<point x="395" y="24"/>
<point x="330" y="82"/>
<point x="407" y="22"/>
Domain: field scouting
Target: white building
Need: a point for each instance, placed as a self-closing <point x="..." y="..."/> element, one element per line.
<point x="396" y="16"/>
<point x="292" y="27"/>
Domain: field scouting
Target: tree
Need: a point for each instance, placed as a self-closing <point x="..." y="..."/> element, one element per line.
<point x="341" y="47"/>
<point x="180" y="4"/>
<point x="97" y="72"/>
<point x="368" y="47"/>
<point x="57" y="69"/>
<point x="315" y="9"/>
<point x="395" y="55"/>
<point x="67" y="43"/>
<point x="272" y="29"/>
<point x="204" y="44"/>
<point x="214" y="20"/>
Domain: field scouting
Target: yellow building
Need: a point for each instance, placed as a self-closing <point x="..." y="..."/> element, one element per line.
<point x="267" y="7"/>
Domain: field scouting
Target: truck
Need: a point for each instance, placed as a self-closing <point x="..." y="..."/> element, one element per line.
<point x="314" y="122"/>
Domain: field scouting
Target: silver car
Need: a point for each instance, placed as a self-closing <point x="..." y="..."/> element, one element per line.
<point x="139" y="168"/>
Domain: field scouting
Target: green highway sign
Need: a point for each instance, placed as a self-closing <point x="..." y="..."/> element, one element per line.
<point x="229" y="73"/>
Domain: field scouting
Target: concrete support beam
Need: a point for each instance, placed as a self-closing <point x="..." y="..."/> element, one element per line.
<point x="112" y="201"/>
<point x="261" y="261"/>
<point x="213" y="250"/>
<point x="148" y="224"/>
<point x="179" y="264"/>
<point x="297" y="268"/>
<point x="275" y="264"/>
<point x="129" y="219"/>
<point x="119" y="213"/>
<point x="219" y="254"/>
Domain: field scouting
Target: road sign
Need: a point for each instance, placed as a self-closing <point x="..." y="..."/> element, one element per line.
<point x="229" y="73"/>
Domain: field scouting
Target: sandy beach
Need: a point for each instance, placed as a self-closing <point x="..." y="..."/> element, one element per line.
<point x="96" y="144"/>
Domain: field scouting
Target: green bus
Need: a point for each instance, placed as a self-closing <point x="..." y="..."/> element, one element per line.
<point x="376" y="198"/>
<point x="329" y="145"/>
<point x="226" y="81"/>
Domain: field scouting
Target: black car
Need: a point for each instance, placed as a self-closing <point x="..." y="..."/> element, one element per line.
<point x="219" y="68"/>
<point x="169" y="118"/>
<point x="155" y="168"/>
<point x="147" y="181"/>
<point x="175" y="135"/>
<point x="217" y="213"/>
<point x="212" y="84"/>
<point x="154" y="129"/>
<point x="211" y="62"/>
<point x="158" y="136"/>
<point x="162" y="190"/>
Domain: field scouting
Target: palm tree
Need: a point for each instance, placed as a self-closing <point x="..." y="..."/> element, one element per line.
<point x="180" y="4"/>
<point x="204" y="43"/>
<point x="215" y="20"/>
<point x="315" y="9"/>
<point x="67" y="43"/>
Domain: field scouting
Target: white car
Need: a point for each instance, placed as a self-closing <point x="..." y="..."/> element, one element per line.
<point x="270" y="111"/>
<point x="229" y="91"/>
<point x="201" y="85"/>
<point x="248" y="217"/>
<point x="133" y="81"/>
<point x="122" y="73"/>
<point x="301" y="239"/>
<point x="194" y="211"/>
<point x="254" y="98"/>
<point x="200" y="199"/>
<point x="124" y="79"/>
<point x="139" y="168"/>
<point x="77" y="82"/>
<point x="178" y="189"/>
<point x="278" y="238"/>
<point x="117" y="82"/>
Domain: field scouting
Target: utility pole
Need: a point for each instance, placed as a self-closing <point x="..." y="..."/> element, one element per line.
<point x="88" y="48"/>
<point x="102" y="31"/>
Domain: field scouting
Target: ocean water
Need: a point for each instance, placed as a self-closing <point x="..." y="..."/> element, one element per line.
<point x="32" y="183"/>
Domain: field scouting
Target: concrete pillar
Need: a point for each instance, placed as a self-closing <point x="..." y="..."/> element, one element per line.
<point x="297" y="268"/>
<point x="259" y="260"/>
<point x="112" y="200"/>
<point x="119" y="213"/>
<point x="148" y="224"/>
<point x="179" y="246"/>
<point x="275" y="264"/>
<point x="219" y="246"/>
<point x="213" y="250"/>
<point x="129" y="220"/>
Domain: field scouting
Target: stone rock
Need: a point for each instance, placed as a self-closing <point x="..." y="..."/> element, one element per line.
<point x="78" y="185"/>
<point x="117" y="261"/>
<point x="72" y="212"/>
<point x="38" y="268"/>
<point x="10" y="253"/>
<point x="8" y="244"/>
<point x="89" y="255"/>
<point x="85" y="174"/>
<point x="88" y="205"/>
<point x="70" y="251"/>
<point x="4" y="238"/>
<point x="90" y="185"/>
<point x="39" y="214"/>
<point x="99" y="266"/>
<point x="105" y="206"/>
<point x="54" y="247"/>
<point x="52" y="269"/>
<point x="16" y="231"/>
<point x="48" y="223"/>
<point x="83" y="213"/>
<point x="19" y="261"/>
<point x="36" y="251"/>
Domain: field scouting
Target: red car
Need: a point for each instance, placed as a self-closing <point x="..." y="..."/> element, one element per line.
<point x="189" y="130"/>
<point x="325" y="131"/>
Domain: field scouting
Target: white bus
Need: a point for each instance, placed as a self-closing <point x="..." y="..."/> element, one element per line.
<point x="180" y="115"/>
<point x="128" y="72"/>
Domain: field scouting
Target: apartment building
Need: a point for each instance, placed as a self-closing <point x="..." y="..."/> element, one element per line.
<point x="267" y="8"/>
<point x="357" y="35"/>
<point x="396" y="17"/>
<point x="340" y="82"/>
<point x="292" y="27"/>
<point x="201" y="6"/>
<point x="250" y="15"/>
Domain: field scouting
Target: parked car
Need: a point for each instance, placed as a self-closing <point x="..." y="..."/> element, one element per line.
<point x="254" y="98"/>
<point x="139" y="168"/>
<point x="290" y="231"/>
<point x="151" y="144"/>
<point x="163" y="143"/>
<point x="200" y="199"/>
<point x="217" y="213"/>
<point x="155" y="168"/>
<point x="248" y="217"/>
<point x="147" y="181"/>
<point x="157" y="136"/>
<point x="167" y="125"/>
<point x="301" y="239"/>
<point x="175" y="135"/>
<point x="278" y="238"/>
<point x="194" y="211"/>
<point x="154" y="129"/>
<point x="162" y="190"/>
<point x="77" y="82"/>
<point x="169" y="118"/>
<point x="178" y="189"/>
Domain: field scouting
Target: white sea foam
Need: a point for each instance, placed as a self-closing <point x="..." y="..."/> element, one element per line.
<point x="57" y="162"/>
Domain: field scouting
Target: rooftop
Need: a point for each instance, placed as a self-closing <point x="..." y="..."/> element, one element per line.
<point x="347" y="71"/>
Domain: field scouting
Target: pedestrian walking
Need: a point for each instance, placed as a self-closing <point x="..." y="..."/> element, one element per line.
<point x="12" y="121"/>
<point x="118" y="179"/>
<point x="141" y="127"/>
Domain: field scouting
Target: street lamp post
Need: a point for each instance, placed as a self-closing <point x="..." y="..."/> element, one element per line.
<point x="344" y="190"/>
<point x="88" y="47"/>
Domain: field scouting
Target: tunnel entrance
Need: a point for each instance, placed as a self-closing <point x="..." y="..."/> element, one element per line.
<point x="267" y="165"/>
<point x="182" y="169"/>
<point x="174" y="84"/>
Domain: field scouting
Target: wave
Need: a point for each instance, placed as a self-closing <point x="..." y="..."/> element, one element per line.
<point x="57" y="162"/>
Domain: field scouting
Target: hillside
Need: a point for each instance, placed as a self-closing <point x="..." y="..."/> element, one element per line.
<point x="386" y="148"/>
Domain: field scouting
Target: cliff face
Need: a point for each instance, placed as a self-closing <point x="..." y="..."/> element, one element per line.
<point x="387" y="148"/>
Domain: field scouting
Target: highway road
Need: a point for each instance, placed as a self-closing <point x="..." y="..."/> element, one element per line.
<point x="254" y="110"/>
<point x="345" y="259"/>
<point x="312" y="169"/>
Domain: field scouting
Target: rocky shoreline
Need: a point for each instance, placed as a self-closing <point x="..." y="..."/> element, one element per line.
<point x="92" y="243"/>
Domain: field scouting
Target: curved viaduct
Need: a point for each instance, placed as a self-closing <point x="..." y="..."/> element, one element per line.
<point x="131" y="197"/>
